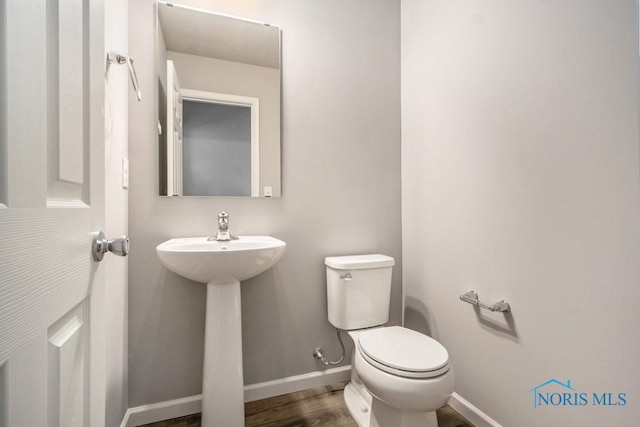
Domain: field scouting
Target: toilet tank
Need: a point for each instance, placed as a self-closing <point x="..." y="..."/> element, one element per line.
<point x="358" y="290"/>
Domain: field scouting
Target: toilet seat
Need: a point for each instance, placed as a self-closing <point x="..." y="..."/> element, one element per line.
<point x="403" y="352"/>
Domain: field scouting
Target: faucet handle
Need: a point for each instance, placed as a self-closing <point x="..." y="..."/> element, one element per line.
<point x="223" y="233"/>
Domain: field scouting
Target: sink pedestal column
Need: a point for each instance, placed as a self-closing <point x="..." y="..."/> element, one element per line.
<point x="222" y="379"/>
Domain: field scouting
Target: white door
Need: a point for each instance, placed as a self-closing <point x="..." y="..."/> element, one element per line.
<point x="52" y="65"/>
<point x="174" y="133"/>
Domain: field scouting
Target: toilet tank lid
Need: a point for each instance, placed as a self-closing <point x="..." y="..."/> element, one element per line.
<point x="357" y="262"/>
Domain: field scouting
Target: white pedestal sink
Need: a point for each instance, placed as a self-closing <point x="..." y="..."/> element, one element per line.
<point x="222" y="265"/>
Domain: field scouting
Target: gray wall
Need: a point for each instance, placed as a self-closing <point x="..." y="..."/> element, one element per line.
<point x="521" y="180"/>
<point x="341" y="195"/>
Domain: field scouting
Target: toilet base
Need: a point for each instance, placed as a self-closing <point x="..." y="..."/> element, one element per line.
<point x="368" y="411"/>
<point x="359" y="406"/>
<point x="383" y="415"/>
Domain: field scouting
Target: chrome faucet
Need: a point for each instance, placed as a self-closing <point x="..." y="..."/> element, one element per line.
<point x="223" y="233"/>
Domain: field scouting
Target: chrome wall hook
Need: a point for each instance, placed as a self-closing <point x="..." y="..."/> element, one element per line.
<point x="116" y="58"/>
<point x="471" y="297"/>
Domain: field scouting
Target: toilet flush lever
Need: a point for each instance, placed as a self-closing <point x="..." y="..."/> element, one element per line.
<point x="347" y="277"/>
<point x="100" y="246"/>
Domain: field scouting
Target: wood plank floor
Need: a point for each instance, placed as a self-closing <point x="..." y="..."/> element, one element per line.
<point x="322" y="406"/>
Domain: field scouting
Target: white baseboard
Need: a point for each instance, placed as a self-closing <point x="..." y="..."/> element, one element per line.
<point x="474" y="415"/>
<point x="160" y="411"/>
<point x="146" y="414"/>
<point x="296" y="383"/>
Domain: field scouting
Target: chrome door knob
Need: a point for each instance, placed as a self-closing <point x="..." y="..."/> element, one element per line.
<point x="99" y="246"/>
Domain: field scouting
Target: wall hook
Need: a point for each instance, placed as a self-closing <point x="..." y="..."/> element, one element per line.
<point x="116" y="58"/>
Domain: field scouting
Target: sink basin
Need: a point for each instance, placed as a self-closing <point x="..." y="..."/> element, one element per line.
<point x="211" y="261"/>
<point x="222" y="265"/>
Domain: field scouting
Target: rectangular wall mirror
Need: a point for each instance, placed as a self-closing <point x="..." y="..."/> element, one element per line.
<point x="219" y="104"/>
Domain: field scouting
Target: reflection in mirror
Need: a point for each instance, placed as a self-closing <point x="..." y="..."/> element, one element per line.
<point x="219" y="104"/>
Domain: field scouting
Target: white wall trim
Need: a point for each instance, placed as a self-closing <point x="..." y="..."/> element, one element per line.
<point x="296" y="383"/>
<point x="160" y="411"/>
<point x="474" y="415"/>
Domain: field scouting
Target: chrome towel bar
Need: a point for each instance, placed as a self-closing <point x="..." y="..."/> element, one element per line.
<point x="472" y="298"/>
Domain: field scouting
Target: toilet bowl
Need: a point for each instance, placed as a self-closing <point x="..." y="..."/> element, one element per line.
<point x="399" y="377"/>
<point x="410" y="371"/>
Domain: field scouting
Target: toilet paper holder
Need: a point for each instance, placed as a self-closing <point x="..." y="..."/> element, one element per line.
<point x="471" y="297"/>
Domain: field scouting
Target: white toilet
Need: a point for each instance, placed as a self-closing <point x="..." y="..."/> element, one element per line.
<point x="399" y="377"/>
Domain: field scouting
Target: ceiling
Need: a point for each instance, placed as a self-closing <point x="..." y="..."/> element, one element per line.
<point x="204" y="33"/>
